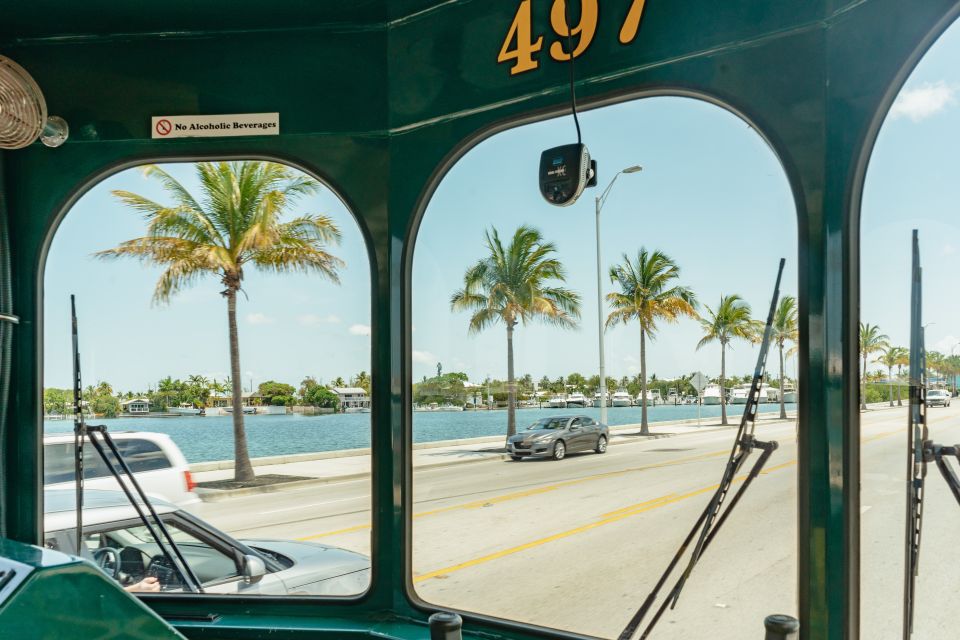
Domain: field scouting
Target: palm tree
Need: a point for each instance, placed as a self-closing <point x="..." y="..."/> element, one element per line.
<point x="234" y="224"/>
<point x="784" y="329"/>
<point x="871" y="341"/>
<point x="218" y="387"/>
<point x="514" y="284"/>
<point x="891" y="357"/>
<point x="648" y="294"/>
<point x="935" y="362"/>
<point x="730" y="320"/>
<point x="362" y="380"/>
<point x="902" y="361"/>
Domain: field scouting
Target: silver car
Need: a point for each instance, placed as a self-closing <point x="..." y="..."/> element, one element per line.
<point x="116" y="540"/>
<point x="556" y="436"/>
<point x="938" y="397"/>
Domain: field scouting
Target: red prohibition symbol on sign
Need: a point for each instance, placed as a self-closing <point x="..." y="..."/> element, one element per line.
<point x="164" y="127"/>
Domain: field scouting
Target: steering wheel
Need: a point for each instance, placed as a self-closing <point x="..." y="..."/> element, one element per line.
<point x="163" y="570"/>
<point x="108" y="559"/>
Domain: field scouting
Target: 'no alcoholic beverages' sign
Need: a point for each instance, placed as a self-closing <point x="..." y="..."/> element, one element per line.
<point x="237" y="124"/>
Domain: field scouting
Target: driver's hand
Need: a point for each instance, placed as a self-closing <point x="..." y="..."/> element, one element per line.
<point x="147" y="584"/>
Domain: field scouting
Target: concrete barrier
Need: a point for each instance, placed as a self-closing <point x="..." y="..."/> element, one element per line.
<point x="220" y="465"/>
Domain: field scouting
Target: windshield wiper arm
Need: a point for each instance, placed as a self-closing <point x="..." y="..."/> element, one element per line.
<point x="921" y="450"/>
<point x="82" y="431"/>
<point x="713" y="517"/>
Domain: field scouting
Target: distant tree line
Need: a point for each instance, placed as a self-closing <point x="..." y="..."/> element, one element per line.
<point x="197" y="391"/>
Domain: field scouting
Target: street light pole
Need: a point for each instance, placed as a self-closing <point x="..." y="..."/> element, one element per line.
<point x="603" y="370"/>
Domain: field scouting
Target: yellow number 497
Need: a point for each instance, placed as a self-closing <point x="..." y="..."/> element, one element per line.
<point x="519" y="46"/>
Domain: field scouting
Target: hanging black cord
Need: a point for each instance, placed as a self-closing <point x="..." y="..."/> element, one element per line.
<point x="573" y="90"/>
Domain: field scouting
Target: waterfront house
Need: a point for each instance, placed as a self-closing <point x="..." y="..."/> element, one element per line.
<point x="352" y="397"/>
<point x="136" y="406"/>
<point x="248" y="399"/>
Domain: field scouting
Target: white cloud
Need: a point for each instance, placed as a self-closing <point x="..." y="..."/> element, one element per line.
<point x="259" y="318"/>
<point x="424" y="357"/>
<point x="360" y="330"/>
<point x="948" y="250"/>
<point x="311" y="320"/>
<point x="924" y="101"/>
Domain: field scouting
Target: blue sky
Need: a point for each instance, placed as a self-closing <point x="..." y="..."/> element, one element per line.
<point x="290" y="326"/>
<point x="712" y="195"/>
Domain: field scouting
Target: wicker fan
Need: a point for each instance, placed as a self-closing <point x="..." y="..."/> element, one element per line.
<point x="23" y="111"/>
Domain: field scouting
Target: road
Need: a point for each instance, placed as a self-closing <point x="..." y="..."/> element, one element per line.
<point x="578" y="544"/>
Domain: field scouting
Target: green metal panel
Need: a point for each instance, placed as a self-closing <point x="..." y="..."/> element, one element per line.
<point x="378" y="98"/>
<point x="64" y="597"/>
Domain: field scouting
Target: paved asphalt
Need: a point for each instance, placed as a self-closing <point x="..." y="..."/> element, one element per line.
<point x="578" y="544"/>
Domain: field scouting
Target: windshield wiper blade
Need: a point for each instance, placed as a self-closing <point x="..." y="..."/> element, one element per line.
<point x="917" y="436"/>
<point x="921" y="450"/>
<point x="712" y="518"/>
<point x="83" y="431"/>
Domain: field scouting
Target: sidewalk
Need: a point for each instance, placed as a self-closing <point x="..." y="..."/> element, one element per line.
<point x="352" y="464"/>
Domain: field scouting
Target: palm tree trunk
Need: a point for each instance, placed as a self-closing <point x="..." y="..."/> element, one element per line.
<point x="863" y="385"/>
<point x="511" y="385"/>
<point x="644" y="425"/>
<point x="899" y="376"/>
<point x="783" y="406"/>
<point x="242" y="469"/>
<point x="890" y="379"/>
<point x="723" y="375"/>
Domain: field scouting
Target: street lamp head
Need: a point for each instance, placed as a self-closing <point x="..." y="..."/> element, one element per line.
<point x="634" y="169"/>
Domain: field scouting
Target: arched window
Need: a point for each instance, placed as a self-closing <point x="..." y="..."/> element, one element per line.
<point x="910" y="184"/>
<point x="515" y="515"/>
<point x="224" y="331"/>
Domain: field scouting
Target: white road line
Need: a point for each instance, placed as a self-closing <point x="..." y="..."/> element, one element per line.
<point x="313" y="504"/>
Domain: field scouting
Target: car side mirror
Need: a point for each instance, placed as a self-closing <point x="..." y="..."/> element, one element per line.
<point x="253" y="569"/>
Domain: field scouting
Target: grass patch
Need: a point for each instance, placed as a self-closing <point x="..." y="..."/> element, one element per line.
<point x="259" y="481"/>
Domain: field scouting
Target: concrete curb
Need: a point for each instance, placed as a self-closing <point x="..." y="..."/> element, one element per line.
<point x="223" y="465"/>
<point x="217" y="495"/>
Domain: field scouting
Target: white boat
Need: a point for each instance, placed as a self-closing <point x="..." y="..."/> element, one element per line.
<point x="789" y="393"/>
<point x="576" y="400"/>
<point x="653" y="398"/>
<point x="357" y="410"/>
<point x="246" y="410"/>
<point x="741" y="392"/>
<point x="186" y="409"/>
<point x="596" y="399"/>
<point x="673" y="397"/>
<point x="772" y="393"/>
<point x="622" y="399"/>
<point x="558" y="401"/>
<point x="712" y="394"/>
<point x="446" y="407"/>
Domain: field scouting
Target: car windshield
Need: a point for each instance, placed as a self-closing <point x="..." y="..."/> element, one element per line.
<point x="548" y="423"/>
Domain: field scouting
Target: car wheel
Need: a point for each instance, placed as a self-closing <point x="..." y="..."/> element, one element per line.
<point x="601" y="444"/>
<point x="559" y="450"/>
<point x="516" y="458"/>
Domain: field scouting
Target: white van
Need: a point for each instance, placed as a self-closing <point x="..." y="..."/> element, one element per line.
<point x="156" y="462"/>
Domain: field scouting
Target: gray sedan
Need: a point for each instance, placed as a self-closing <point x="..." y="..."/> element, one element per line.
<point x="116" y="540"/>
<point x="556" y="436"/>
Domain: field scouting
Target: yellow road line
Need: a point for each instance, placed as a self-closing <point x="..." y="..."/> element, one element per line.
<point x="611" y="517"/>
<point x="645" y="506"/>
<point x="475" y="504"/>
